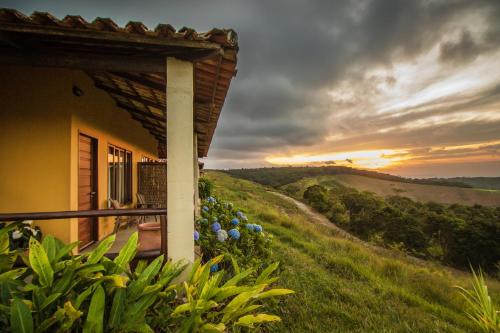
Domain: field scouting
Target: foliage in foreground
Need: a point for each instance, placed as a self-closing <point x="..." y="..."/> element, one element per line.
<point x="60" y="292"/>
<point x="482" y="311"/>
<point x="222" y="229"/>
<point x="343" y="286"/>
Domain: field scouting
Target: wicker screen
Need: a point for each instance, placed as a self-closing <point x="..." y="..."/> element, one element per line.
<point x="152" y="182"/>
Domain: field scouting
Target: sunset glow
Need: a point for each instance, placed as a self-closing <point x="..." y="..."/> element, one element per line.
<point x="369" y="159"/>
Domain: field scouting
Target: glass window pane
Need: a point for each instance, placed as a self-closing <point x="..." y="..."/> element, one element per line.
<point x="111" y="173"/>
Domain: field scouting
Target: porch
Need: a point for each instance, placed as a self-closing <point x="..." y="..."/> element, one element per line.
<point x="171" y="83"/>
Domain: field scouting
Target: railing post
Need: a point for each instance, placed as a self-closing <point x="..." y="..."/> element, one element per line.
<point x="163" y="233"/>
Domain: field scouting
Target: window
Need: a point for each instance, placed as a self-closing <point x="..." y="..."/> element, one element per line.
<point x="119" y="174"/>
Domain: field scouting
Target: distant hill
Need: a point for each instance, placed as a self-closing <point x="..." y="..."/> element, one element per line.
<point x="417" y="192"/>
<point x="276" y="177"/>
<point x="467" y="191"/>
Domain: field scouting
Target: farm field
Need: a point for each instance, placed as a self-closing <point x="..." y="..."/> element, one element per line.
<point x="417" y="192"/>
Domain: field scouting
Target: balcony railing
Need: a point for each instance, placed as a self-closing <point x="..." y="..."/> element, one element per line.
<point x="162" y="212"/>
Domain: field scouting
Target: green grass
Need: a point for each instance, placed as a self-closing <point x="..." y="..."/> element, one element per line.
<point x="342" y="286"/>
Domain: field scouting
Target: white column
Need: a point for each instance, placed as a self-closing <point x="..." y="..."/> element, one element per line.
<point x="196" y="174"/>
<point x="180" y="170"/>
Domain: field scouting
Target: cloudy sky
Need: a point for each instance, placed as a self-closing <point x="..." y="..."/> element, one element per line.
<point x="406" y="87"/>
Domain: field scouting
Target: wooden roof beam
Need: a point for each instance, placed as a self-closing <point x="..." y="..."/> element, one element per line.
<point x="140" y="80"/>
<point x="83" y="60"/>
<point x="132" y="97"/>
<point x="145" y="121"/>
<point x="137" y="98"/>
<point x="142" y="113"/>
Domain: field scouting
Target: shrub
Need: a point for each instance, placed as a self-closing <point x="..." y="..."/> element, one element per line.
<point x="58" y="291"/>
<point x="221" y="229"/>
<point x="456" y="235"/>
<point x="208" y="303"/>
<point x="205" y="188"/>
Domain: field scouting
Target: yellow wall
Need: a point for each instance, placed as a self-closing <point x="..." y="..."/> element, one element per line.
<point x="40" y="119"/>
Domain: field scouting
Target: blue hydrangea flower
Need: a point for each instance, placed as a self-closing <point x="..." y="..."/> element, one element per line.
<point x="257" y="228"/>
<point x="205" y="208"/>
<point x="234" y="234"/>
<point x="235" y="221"/>
<point x="214" y="268"/>
<point x="216" y="227"/>
<point x="240" y="214"/>
<point x="211" y="200"/>
<point x="250" y="226"/>
<point x="196" y="235"/>
<point x="222" y="235"/>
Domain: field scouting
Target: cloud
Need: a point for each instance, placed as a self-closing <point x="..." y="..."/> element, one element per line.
<point x="323" y="76"/>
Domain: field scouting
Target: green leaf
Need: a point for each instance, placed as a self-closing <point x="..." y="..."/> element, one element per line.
<point x="83" y="296"/>
<point x="4" y="236"/>
<point x="49" y="245"/>
<point x="12" y="274"/>
<point x="116" y="280"/>
<point x="21" y="320"/>
<point x="250" y="320"/>
<point x="274" y="292"/>
<point x="65" y="250"/>
<point x="240" y="301"/>
<point x="7" y="261"/>
<point x="40" y="263"/>
<point x="117" y="308"/>
<point x="238" y="277"/>
<point x="4" y="243"/>
<point x="86" y="270"/>
<point x="63" y="284"/>
<point x="46" y="324"/>
<point x="212" y="328"/>
<point x="265" y="273"/>
<point x="49" y="300"/>
<point x="137" y="286"/>
<point x="127" y="253"/>
<point x="226" y="292"/>
<point x="236" y="267"/>
<point x="103" y="247"/>
<point x="95" y="316"/>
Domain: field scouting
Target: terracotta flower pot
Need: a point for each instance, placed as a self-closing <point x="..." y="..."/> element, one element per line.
<point x="149" y="236"/>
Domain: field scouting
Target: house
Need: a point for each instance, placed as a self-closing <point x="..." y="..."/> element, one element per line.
<point x="82" y="103"/>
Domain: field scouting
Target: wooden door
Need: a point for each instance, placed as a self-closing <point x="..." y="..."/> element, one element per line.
<point x="87" y="188"/>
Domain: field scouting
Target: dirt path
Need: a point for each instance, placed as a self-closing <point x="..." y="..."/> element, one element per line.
<point x="319" y="218"/>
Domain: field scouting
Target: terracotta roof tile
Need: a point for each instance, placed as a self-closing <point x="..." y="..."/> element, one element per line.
<point x="224" y="37"/>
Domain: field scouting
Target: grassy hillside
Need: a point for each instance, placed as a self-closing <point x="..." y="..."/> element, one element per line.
<point x="342" y="286"/>
<point x="417" y="192"/>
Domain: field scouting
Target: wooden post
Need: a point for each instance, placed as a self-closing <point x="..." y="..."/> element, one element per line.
<point x="180" y="170"/>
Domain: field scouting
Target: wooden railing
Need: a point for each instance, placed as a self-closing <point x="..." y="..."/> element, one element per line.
<point x="162" y="212"/>
<point x="82" y="213"/>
